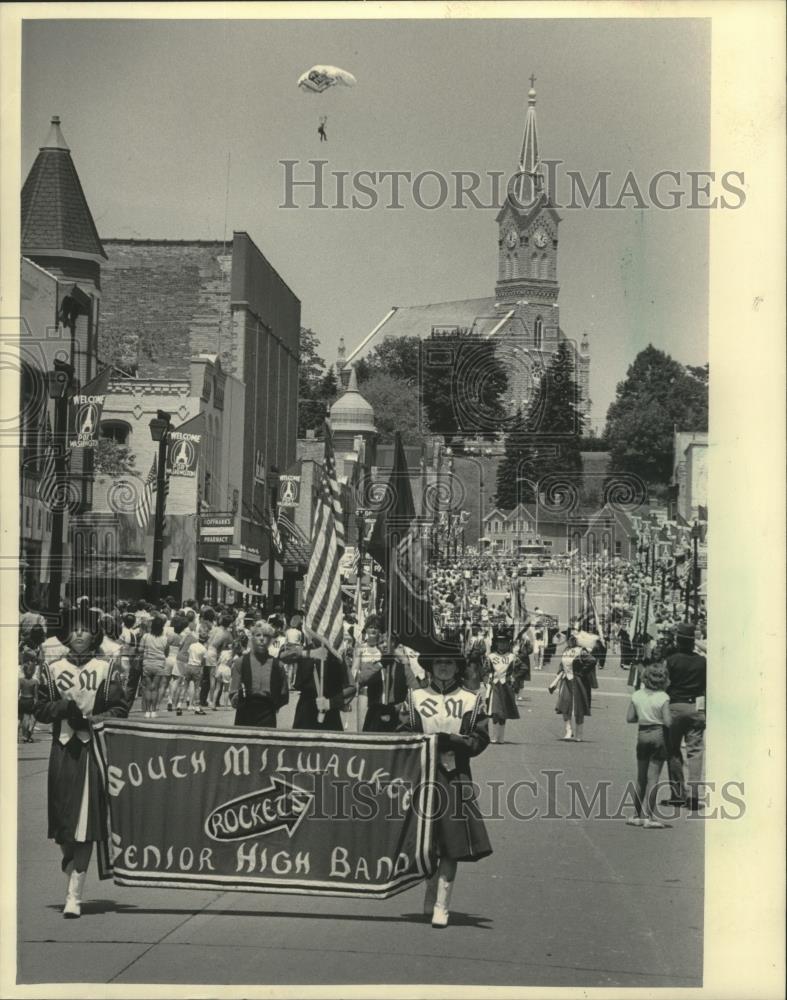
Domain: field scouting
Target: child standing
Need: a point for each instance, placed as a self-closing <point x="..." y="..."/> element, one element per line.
<point x="650" y="709"/>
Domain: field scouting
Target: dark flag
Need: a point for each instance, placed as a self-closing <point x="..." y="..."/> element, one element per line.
<point x="400" y="544"/>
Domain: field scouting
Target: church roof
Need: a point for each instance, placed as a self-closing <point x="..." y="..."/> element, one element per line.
<point x="418" y="321"/>
<point x="55" y="213"/>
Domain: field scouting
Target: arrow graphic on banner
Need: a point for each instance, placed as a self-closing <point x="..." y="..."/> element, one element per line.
<point x="279" y="806"/>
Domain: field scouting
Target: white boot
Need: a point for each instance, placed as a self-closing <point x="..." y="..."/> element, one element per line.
<point x="569" y="733"/>
<point x="443" y="901"/>
<point x="501" y="731"/>
<point x="76" y="883"/>
<point x="578" y="732"/>
<point x="494" y="732"/>
<point x="431" y="894"/>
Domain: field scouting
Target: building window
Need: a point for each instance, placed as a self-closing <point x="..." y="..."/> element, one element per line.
<point x="544" y="266"/>
<point x="538" y="333"/>
<point x="618" y="548"/>
<point x="115" y="430"/>
<point x="27" y="516"/>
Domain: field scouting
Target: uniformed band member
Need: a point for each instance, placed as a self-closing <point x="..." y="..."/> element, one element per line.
<point x="386" y="688"/>
<point x="325" y="688"/>
<point x="501" y="674"/>
<point x="456" y="714"/>
<point x="76" y="691"/>
<point x="259" y="686"/>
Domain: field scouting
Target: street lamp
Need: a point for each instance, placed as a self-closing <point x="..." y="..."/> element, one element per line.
<point x="60" y="386"/>
<point x="160" y="427"/>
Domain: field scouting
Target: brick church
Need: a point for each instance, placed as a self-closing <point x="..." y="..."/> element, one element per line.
<point x="523" y="315"/>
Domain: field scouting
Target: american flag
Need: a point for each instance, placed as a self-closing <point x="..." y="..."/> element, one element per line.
<point x="145" y="505"/>
<point x="47" y="484"/>
<point x="275" y="533"/>
<point x="289" y="525"/>
<point x="324" y="618"/>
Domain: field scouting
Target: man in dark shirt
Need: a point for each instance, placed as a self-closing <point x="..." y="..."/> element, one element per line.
<point x="687" y="671"/>
<point x="259" y="687"/>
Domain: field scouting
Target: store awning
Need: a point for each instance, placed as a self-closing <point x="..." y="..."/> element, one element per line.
<point x="174" y="569"/>
<point x="226" y="580"/>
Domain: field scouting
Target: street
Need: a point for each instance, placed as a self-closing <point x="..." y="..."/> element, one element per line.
<point x="531" y="914"/>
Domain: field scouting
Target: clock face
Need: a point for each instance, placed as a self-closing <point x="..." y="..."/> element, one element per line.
<point x="540" y="238"/>
<point x="512" y="239"/>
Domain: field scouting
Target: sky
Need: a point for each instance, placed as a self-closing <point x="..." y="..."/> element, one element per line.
<point x="159" y="116"/>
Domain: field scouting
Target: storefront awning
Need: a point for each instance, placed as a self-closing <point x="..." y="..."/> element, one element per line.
<point x="226" y="580"/>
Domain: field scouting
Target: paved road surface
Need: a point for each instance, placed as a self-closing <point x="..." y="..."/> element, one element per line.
<point x="561" y="902"/>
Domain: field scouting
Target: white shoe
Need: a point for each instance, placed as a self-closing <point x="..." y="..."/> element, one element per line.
<point x="439" y="917"/>
<point x="153" y="715"/>
<point x="442" y="902"/>
<point x="147" y="715"/>
<point x="73" y="907"/>
<point x="431" y="895"/>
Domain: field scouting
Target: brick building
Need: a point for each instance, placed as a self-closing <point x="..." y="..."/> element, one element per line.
<point x="166" y="305"/>
<point x="61" y="264"/>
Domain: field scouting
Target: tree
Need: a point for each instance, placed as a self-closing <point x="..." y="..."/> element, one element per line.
<point x="114" y="459"/>
<point x="657" y="397"/>
<point x="546" y="442"/>
<point x="399" y="357"/>
<point x="463" y="388"/>
<point x="316" y="387"/>
<point x="396" y="408"/>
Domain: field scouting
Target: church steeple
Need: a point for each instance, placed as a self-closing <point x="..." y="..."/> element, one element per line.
<point x="530" y="178"/>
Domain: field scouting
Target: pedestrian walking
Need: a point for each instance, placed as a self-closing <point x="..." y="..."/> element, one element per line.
<point x="76" y="692"/>
<point x="154" y="649"/>
<point x="687" y="678"/>
<point x="649" y="708"/>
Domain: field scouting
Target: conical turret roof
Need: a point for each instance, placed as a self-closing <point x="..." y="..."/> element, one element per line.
<point x="55" y="213"/>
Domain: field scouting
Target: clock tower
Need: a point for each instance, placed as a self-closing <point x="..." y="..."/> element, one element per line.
<point x="528" y="243"/>
<point x="527" y="289"/>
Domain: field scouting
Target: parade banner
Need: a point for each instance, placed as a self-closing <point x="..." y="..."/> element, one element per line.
<point x="183" y="445"/>
<point x="259" y="810"/>
<point x="86" y="408"/>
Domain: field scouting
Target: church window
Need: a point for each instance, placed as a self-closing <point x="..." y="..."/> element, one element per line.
<point x="538" y="333"/>
<point x="534" y="266"/>
<point x="544" y="266"/>
<point x="516" y="266"/>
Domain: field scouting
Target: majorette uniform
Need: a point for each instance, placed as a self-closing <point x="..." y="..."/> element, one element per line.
<point x="457" y="714"/>
<point x="77" y="805"/>
<point x="501" y="699"/>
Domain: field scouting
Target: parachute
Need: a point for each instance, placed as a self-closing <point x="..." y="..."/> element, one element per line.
<point x="319" y="78"/>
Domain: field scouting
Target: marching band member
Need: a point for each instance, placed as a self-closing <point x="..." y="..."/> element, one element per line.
<point x="501" y="672"/>
<point x="386" y="686"/>
<point x="325" y="688"/>
<point x="456" y="714"/>
<point x="574" y="680"/>
<point x="76" y="691"/>
<point x="258" y="686"/>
